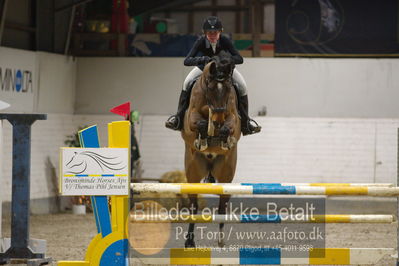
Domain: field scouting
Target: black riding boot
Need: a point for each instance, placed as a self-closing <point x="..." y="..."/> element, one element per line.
<point x="248" y="125"/>
<point x="175" y="122"/>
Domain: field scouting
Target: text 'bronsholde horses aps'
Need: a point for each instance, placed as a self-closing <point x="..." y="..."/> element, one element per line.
<point x="211" y="130"/>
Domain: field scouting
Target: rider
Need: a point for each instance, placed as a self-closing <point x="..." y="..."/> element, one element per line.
<point x="207" y="46"/>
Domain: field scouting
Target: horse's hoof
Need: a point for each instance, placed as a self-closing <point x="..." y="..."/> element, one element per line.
<point x="189" y="243"/>
<point x="229" y="144"/>
<point x="204" y="144"/>
<point x="224" y="146"/>
<point x="197" y="144"/>
<point x="201" y="145"/>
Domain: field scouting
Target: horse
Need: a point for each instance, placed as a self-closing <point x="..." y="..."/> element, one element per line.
<point x="211" y="130"/>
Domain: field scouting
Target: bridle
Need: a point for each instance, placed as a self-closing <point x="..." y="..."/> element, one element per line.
<point x="207" y="89"/>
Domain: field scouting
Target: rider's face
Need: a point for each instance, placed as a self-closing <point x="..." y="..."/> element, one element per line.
<point x="213" y="36"/>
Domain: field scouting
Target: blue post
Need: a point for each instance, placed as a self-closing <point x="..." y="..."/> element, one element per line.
<point x="20" y="207"/>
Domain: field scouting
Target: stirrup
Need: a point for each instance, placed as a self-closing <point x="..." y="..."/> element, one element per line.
<point x="173" y="122"/>
<point x="251" y="129"/>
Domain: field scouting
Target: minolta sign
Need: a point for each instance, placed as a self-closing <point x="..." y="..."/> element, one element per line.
<point x="16" y="80"/>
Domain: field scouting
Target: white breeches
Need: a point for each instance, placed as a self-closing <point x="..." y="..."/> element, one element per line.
<point x="237" y="78"/>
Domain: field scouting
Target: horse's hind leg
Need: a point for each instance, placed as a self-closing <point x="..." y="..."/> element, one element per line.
<point x="224" y="199"/>
<point x="193" y="210"/>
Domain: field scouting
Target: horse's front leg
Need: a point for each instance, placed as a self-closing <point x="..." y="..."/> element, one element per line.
<point x="226" y="133"/>
<point x="200" y="125"/>
<point x="193" y="210"/>
<point x="224" y="199"/>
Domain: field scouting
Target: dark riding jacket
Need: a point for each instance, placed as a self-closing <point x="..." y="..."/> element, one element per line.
<point x="202" y="51"/>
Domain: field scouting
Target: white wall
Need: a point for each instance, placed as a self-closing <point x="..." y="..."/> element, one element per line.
<point x="57" y="83"/>
<point x="151" y="84"/>
<point x="291" y="150"/>
<point x="13" y="61"/>
<point x="54" y="94"/>
<point x="53" y="81"/>
<point x="344" y="88"/>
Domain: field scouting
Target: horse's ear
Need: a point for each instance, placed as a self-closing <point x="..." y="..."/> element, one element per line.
<point x="212" y="68"/>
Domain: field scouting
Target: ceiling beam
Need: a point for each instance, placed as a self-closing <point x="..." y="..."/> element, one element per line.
<point x="20" y="27"/>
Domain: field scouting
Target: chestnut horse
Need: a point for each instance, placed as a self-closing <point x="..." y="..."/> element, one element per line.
<point x="211" y="130"/>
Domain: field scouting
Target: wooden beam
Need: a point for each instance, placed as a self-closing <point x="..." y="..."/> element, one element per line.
<point x="33" y="23"/>
<point x="96" y="36"/>
<point x="256" y="27"/>
<point x="45" y="31"/>
<point x="190" y="17"/>
<point x="209" y="8"/>
<point x="66" y="7"/>
<point x="262" y="17"/>
<point x="80" y="52"/>
<point x="70" y="27"/>
<point x="214" y="4"/>
<point x="20" y="27"/>
<point x="250" y="16"/>
<point x="122" y="49"/>
<point x="238" y="20"/>
<point x="3" y="18"/>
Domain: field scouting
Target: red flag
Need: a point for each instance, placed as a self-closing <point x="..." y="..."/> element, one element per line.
<point x="123" y="109"/>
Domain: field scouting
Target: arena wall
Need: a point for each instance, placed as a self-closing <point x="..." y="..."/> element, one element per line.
<point x="293" y="146"/>
<point x="288" y="87"/>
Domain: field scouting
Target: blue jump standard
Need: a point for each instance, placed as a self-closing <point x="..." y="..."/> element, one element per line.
<point x="20" y="208"/>
<point x="89" y="139"/>
<point x="117" y="253"/>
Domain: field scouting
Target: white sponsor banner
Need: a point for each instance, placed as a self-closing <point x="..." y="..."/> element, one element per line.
<point x="18" y="79"/>
<point x="94" y="171"/>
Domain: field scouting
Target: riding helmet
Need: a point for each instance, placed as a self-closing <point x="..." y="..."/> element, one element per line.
<point x="212" y="23"/>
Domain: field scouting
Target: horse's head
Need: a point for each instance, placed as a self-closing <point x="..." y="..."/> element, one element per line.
<point x="218" y="82"/>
